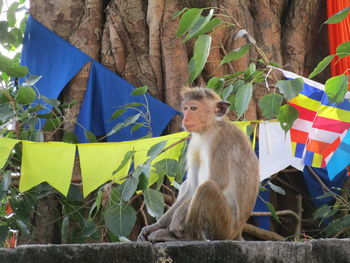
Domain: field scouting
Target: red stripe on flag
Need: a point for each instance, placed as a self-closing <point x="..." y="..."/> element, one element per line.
<point x="298" y="136"/>
<point x="332" y="147"/>
<point x="304" y="113"/>
<point x="330" y="124"/>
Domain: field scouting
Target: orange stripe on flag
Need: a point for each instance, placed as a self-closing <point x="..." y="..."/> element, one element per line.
<point x="317" y="146"/>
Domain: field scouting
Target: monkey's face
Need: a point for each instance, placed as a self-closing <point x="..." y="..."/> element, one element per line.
<point x="198" y="115"/>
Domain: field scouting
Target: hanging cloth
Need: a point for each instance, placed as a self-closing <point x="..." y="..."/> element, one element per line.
<point x="337" y="34"/>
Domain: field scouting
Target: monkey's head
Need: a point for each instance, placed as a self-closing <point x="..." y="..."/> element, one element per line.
<point x="201" y="107"/>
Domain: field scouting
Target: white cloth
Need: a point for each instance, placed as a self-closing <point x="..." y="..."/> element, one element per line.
<point x="275" y="151"/>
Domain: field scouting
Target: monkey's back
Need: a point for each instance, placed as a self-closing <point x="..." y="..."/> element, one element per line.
<point x="241" y="165"/>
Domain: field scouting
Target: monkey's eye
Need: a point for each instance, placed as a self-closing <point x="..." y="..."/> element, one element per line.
<point x="193" y="108"/>
<point x="184" y="108"/>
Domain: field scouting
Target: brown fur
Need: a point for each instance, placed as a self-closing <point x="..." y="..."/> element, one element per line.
<point x="223" y="177"/>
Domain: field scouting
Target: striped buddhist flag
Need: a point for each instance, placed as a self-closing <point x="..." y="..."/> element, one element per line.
<point x="339" y="155"/>
<point x="307" y="104"/>
<point x="319" y="124"/>
<point x="330" y="122"/>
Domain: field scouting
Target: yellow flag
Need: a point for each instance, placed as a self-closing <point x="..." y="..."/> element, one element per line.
<point x="50" y="162"/>
<point x="6" y="146"/>
<point x="99" y="160"/>
<point x="142" y="146"/>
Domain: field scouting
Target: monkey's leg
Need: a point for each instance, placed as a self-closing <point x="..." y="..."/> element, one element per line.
<point x="178" y="220"/>
<point x="161" y="235"/>
<point x="209" y="216"/>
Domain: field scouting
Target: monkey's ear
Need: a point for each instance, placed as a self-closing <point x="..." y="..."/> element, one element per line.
<point x="222" y="107"/>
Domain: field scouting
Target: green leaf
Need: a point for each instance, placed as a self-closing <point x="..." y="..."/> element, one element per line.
<point x="132" y="105"/>
<point x="290" y="88"/>
<point x="231" y="99"/>
<point x="70" y="137"/>
<point x="233" y="76"/>
<point x="23" y="227"/>
<point x="6" y="112"/>
<point x="227" y="92"/>
<point x="52" y="124"/>
<point x="139" y="91"/>
<point x="52" y="102"/>
<point x="12" y="69"/>
<point x="273" y="212"/>
<point x="132" y="119"/>
<point x="137" y="127"/>
<point x="324" y="212"/>
<point x="188" y="19"/>
<point x="270" y="105"/>
<point x="199" y="25"/>
<point x="3" y="30"/>
<point x="156" y="149"/>
<point x="49" y="115"/>
<point x="90" y="136"/>
<point x="116" y="128"/>
<point x="235" y="54"/>
<point x="343" y="49"/>
<point x="166" y="166"/>
<point x="242" y="98"/>
<point x="117" y="114"/>
<point x="325" y="195"/>
<point x="130" y="185"/>
<point x="154" y="202"/>
<point x="25" y="95"/>
<point x="69" y="105"/>
<point x="276" y="188"/>
<point x="209" y="26"/>
<point x="336" y="88"/>
<point x="216" y="84"/>
<point x="337" y="17"/>
<point x="321" y="66"/>
<point x="249" y="71"/>
<point x="201" y="53"/>
<point x="6" y="181"/>
<point x="11" y="18"/>
<point x="120" y="220"/>
<point x="88" y="230"/>
<point x="127" y="157"/>
<point x="95" y="208"/>
<point x="143" y="182"/>
<point x="17" y="35"/>
<point x="65" y="229"/>
<point x="336" y="226"/>
<point x="287" y="115"/>
<point x="178" y="13"/>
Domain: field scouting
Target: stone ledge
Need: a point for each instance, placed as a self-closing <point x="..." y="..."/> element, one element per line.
<point x="316" y="251"/>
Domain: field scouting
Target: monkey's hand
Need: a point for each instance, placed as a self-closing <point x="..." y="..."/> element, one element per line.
<point x="143" y="236"/>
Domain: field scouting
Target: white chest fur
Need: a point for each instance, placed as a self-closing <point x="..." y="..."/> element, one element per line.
<point x="198" y="160"/>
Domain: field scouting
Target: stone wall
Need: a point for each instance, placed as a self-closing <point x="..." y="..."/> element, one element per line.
<point x="316" y="251"/>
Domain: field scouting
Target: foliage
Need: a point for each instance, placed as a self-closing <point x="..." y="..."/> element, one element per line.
<point x="238" y="87"/>
<point x="334" y="217"/>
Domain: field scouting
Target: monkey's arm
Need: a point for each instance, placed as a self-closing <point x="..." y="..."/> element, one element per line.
<point x="165" y="220"/>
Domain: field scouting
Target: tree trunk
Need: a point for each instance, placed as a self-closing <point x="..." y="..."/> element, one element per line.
<point x="136" y="39"/>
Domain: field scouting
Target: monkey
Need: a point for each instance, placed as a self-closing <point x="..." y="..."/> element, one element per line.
<point x="221" y="188"/>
